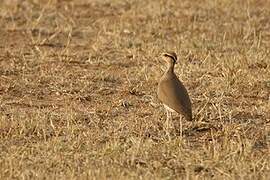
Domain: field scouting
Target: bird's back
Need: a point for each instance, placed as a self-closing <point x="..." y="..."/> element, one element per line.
<point x="173" y="94"/>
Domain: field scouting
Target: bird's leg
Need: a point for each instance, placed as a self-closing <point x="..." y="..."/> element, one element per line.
<point x="170" y="122"/>
<point x="167" y="119"/>
<point x="181" y="127"/>
<point x="169" y="115"/>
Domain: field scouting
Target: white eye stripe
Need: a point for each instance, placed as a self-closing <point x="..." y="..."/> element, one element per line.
<point x="171" y="56"/>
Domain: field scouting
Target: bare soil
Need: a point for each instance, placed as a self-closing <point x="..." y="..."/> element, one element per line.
<point x="78" y="84"/>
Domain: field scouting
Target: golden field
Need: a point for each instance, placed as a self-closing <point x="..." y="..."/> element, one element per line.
<point x="78" y="84"/>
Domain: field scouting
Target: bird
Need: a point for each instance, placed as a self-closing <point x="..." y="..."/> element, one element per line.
<point x="172" y="93"/>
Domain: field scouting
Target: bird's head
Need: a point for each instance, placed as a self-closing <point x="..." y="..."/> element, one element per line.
<point x="170" y="57"/>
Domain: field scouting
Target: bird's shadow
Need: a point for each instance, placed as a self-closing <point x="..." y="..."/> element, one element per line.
<point x="190" y="128"/>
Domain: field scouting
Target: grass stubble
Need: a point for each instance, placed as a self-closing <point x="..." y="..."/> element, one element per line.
<point x="78" y="86"/>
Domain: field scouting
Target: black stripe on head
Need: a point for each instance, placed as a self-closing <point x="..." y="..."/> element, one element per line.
<point x="171" y="55"/>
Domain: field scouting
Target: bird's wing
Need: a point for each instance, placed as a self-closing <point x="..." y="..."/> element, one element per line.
<point x="173" y="93"/>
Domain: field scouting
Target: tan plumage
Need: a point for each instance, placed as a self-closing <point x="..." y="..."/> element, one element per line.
<point x="171" y="91"/>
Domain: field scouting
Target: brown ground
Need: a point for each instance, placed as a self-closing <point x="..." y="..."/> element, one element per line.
<point x="78" y="86"/>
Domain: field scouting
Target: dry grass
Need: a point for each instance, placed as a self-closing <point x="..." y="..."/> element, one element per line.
<point x="78" y="86"/>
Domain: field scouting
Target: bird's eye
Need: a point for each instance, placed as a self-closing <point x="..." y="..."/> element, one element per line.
<point x="166" y="55"/>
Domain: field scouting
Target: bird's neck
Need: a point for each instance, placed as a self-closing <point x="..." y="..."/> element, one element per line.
<point x="170" y="68"/>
